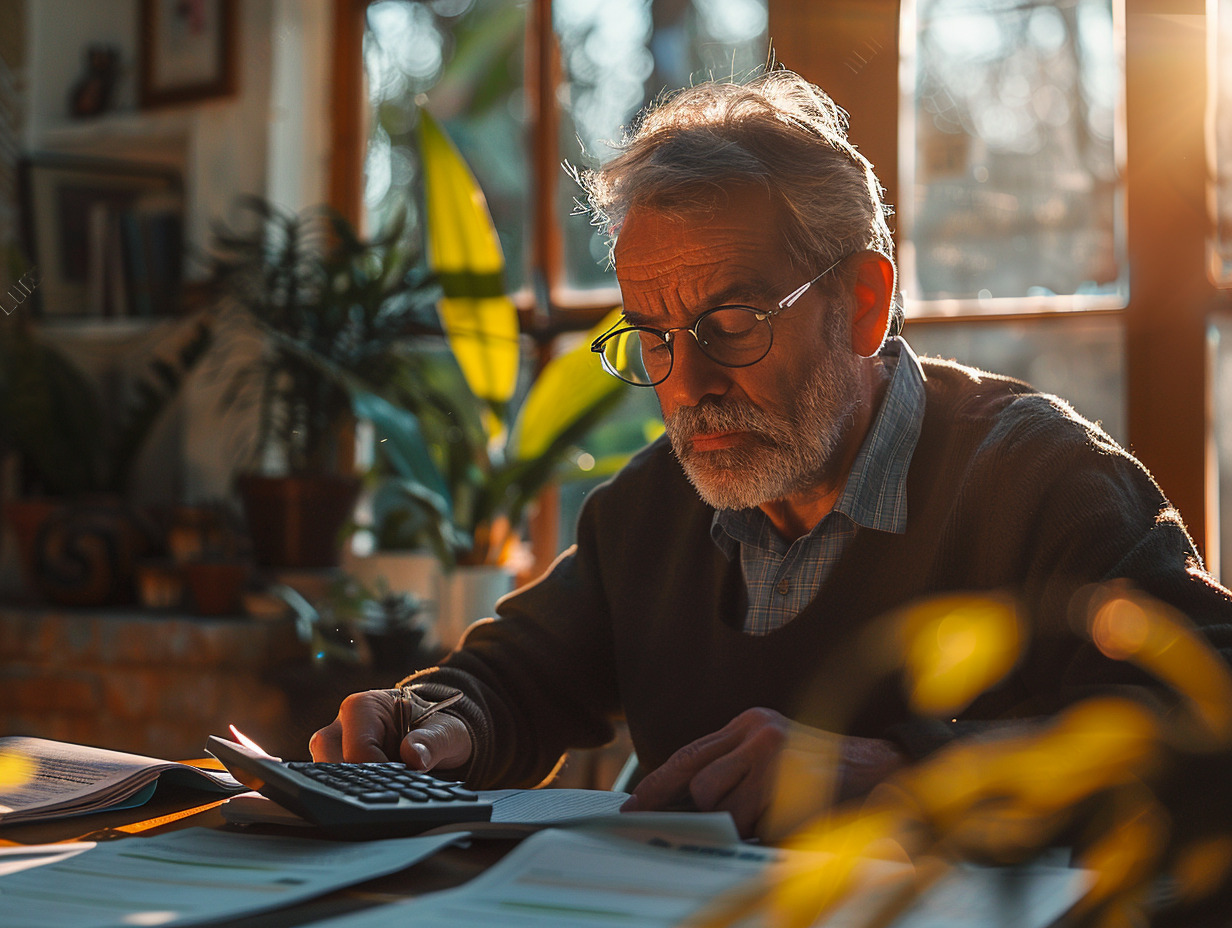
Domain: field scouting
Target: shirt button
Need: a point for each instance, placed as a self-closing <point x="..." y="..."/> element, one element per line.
<point x="784" y="587"/>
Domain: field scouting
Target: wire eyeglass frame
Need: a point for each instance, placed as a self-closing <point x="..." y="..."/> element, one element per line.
<point x="621" y="330"/>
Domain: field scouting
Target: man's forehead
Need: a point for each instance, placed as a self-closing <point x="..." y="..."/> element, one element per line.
<point x="705" y="240"/>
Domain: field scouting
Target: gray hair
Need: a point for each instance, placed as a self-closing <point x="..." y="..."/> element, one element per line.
<point x="777" y="130"/>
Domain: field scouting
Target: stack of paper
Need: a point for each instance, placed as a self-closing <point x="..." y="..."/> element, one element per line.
<point x="575" y="879"/>
<point x="187" y="877"/>
<point x="50" y="779"/>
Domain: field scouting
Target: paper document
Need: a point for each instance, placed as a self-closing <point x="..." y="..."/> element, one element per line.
<point x="51" y="779"/>
<point x="192" y="876"/>
<point x="545" y="806"/>
<point x="583" y="880"/>
<point x="514" y="811"/>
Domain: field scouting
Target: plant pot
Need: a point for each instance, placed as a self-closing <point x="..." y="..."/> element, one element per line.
<point x="160" y="584"/>
<point x="296" y="521"/>
<point x="216" y="587"/>
<point x="468" y="593"/>
<point x="417" y="572"/>
<point x="80" y="552"/>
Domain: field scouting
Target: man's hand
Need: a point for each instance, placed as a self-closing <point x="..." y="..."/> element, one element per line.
<point x="367" y="729"/>
<point x="769" y="772"/>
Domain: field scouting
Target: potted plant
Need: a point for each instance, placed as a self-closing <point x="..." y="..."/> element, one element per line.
<point x="333" y="312"/>
<point x="490" y="458"/>
<point x="78" y="537"/>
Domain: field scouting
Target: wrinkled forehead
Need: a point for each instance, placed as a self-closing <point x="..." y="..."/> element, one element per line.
<point x="673" y="264"/>
<point x="704" y="226"/>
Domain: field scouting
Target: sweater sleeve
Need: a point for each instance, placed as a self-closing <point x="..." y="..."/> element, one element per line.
<point x="538" y="678"/>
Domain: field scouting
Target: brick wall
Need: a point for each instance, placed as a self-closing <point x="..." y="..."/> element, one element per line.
<point x="159" y="685"/>
<point x="145" y="683"/>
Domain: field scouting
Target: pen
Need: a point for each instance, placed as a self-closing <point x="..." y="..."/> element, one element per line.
<point x="405" y="722"/>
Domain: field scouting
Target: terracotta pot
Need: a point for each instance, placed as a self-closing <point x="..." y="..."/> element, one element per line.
<point x="216" y="587"/>
<point x="80" y="552"/>
<point x="295" y="521"/>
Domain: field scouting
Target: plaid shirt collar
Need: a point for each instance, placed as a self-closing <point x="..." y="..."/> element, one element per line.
<point x="875" y="494"/>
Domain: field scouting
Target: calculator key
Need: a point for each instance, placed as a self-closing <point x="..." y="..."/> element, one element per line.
<point x="464" y="794"/>
<point x="378" y="796"/>
<point x="437" y="793"/>
<point x="414" y="794"/>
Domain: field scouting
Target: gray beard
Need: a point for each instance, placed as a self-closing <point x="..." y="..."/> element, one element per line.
<point x="781" y="454"/>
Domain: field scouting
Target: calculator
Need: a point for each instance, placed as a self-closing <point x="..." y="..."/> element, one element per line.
<point x="357" y="801"/>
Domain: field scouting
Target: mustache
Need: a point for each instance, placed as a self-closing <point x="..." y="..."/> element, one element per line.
<point x="729" y="416"/>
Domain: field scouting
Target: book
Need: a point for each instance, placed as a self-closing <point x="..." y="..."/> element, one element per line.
<point x="42" y="779"/>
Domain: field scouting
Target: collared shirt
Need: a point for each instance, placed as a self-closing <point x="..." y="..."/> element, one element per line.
<point x="781" y="579"/>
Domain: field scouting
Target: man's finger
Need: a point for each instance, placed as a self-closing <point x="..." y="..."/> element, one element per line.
<point x="711" y="785"/>
<point x="369" y="727"/>
<point x="443" y="742"/>
<point x="669" y="784"/>
<point x="326" y="744"/>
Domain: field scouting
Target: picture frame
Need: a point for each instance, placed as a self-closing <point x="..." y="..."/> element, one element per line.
<point x="187" y="51"/>
<point x="105" y="234"/>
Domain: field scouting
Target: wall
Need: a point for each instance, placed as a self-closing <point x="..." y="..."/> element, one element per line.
<point x="220" y="145"/>
<point x="271" y="138"/>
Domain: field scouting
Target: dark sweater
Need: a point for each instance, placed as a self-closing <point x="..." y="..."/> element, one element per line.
<point x="1009" y="492"/>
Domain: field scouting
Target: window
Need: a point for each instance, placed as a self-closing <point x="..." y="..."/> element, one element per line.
<point x="1011" y="156"/>
<point x="1010" y="162"/>
<point x="1147" y="317"/>
<point x="617" y="56"/>
<point x="1220" y="129"/>
<point x="468" y="54"/>
<point x="1100" y="288"/>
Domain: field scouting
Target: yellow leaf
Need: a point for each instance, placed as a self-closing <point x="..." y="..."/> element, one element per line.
<point x="568" y="387"/>
<point x="480" y="320"/>
<point x="956" y="647"/>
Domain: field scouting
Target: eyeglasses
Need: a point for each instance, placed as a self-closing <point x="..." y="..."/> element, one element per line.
<point x="730" y="335"/>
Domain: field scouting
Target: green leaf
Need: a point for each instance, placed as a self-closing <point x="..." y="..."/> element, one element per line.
<point x="400" y="442"/>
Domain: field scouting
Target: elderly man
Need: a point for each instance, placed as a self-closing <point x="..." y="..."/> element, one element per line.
<point x="815" y="476"/>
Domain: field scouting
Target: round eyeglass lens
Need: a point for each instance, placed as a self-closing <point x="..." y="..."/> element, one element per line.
<point x="736" y="336"/>
<point x="638" y="356"/>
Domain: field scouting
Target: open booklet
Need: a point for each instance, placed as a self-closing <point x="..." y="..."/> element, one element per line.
<point x="41" y="779"/>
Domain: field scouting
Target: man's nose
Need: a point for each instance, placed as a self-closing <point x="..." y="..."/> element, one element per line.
<point x="694" y="376"/>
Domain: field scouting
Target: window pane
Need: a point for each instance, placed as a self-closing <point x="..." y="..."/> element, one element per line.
<point x="616" y="56"/>
<point x="1011" y="181"/>
<point x="1078" y="358"/>
<point x="1221" y="64"/>
<point x="1219" y="338"/>
<point x="465" y="58"/>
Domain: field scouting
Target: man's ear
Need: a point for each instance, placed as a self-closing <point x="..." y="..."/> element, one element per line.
<point x="874" y="294"/>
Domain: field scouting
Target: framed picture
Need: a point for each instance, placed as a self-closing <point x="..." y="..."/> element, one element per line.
<point x="187" y="50"/>
<point x="106" y="235"/>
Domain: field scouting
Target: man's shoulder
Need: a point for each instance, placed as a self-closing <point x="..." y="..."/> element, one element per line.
<point x="969" y="387"/>
<point x="961" y="392"/>
<point x="1008" y="416"/>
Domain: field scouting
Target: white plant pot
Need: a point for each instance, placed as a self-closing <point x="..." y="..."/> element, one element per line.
<point x="416" y="572"/>
<point x="468" y="594"/>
